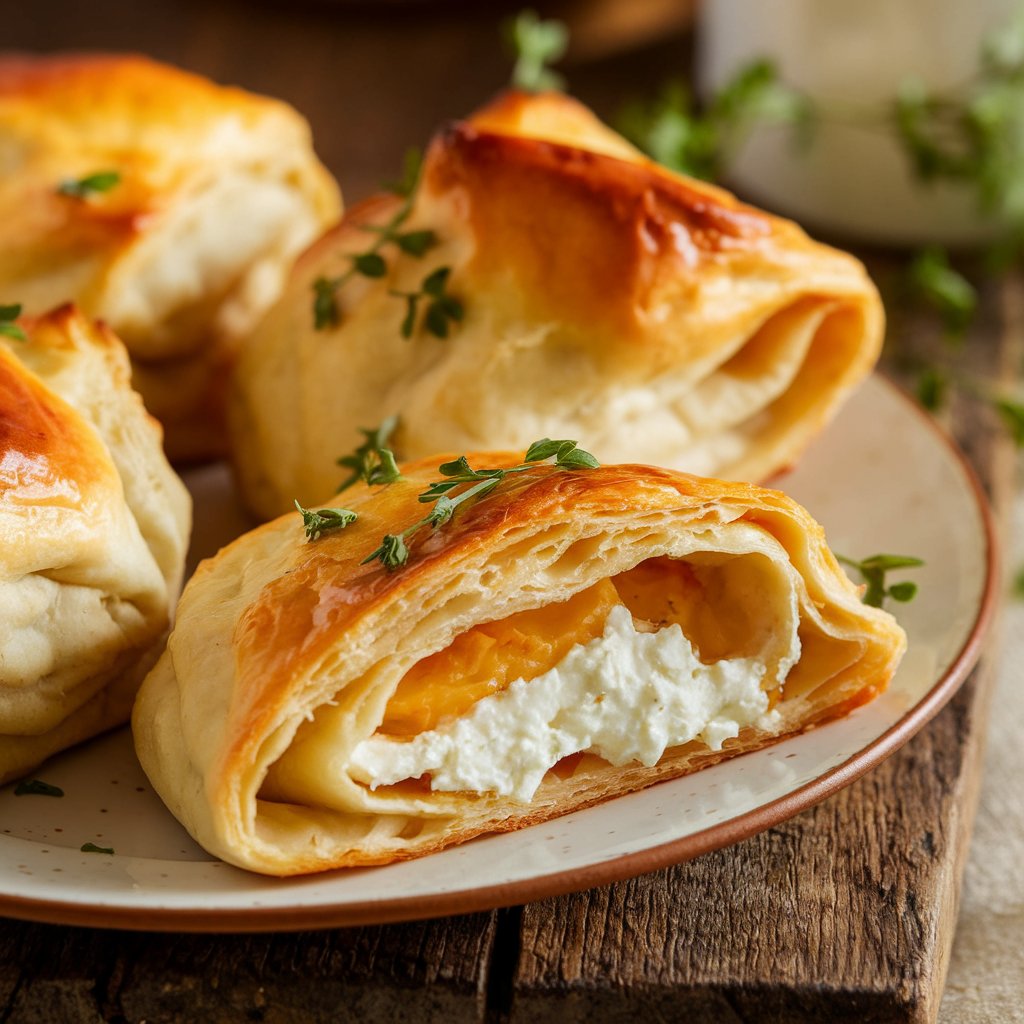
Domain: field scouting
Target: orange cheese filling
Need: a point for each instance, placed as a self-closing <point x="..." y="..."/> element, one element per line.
<point x="490" y="657"/>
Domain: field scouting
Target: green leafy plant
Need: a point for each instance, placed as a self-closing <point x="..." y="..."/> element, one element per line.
<point x="393" y="551"/>
<point x="702" y="142"/>
<point x="947" y="290"/>
<point x="536" y="44"/>
<point x="873" y="571"/>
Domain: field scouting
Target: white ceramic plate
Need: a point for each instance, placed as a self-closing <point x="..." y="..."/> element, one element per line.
<point x="882" y="479"/>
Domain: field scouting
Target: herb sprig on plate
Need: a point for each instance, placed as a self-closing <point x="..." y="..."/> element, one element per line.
<point x="36" y="787"/>
<point x="393" y="551"/>
<point x="873" y="569"/>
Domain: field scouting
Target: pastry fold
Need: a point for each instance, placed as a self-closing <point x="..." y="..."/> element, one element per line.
<point x="215" y="191"/>
<point x="572" y="636"/>
<point x="604" y="297"/>
<point x="93" y="531"/>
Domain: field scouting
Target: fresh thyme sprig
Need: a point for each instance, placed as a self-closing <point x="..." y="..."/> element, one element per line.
<point x="873" y="570"/>
<point x="370" y="263"/>
<point x="8" y="314"/>
<point x="441" y="307"/>
<point x="93" y="848"/>
<point x="319" y="521"/>
<point x="36" y="787"/>
<point x="372" y="462"/>
<point x="393" y="551"/>
<point x="90" y="185"/>
<point x="536" y="43"/>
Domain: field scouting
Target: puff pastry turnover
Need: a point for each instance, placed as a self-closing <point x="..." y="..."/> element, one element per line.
<point x="217" y="191"/>
<point x="93" y="532"/>
<point x="604" y="297"/>
<point x="571" y="637"/>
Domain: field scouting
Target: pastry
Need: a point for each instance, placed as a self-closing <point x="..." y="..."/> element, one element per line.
<point x="572" y="635"/>
<point x="596" y="294"/>
<point x="166" y="205"/>
<point x="93" y="531"/>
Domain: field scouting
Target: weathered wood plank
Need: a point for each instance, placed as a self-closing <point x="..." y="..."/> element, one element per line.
<point x="427" y="971"/>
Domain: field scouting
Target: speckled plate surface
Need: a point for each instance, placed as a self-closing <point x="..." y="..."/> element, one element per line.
<point x="882" y="478"/>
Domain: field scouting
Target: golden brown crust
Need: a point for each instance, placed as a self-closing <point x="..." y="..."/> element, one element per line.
<point x="314" y="631"/>
<point x="93" y="530"/>
<point x="153" y="255"/>
<point x="654" y="317"/>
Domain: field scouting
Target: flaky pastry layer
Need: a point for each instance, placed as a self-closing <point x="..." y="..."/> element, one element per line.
<point x="218" y="190"/>
<point x="286" y="653"/>
<point x="605" y="297"/>
<point x="93" y="531"/>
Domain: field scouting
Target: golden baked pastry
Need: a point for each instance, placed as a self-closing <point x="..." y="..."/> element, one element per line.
<point x="166" y="205"/>
<point x="93" y="530"/>
<point x="571" y="636"/>
<point x="602" y="296"/>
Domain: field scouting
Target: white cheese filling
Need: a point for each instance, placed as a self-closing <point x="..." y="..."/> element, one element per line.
<point x="625" y="696"/>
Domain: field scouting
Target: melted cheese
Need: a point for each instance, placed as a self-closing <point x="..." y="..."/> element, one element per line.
<point x="487" y="658"/>
<point x="624" y="695"/>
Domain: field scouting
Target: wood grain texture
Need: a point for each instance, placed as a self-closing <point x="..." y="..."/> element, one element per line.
<point x="428" y="971"/>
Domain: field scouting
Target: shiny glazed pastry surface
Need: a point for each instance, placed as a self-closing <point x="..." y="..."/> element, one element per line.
<point x="218" y="190"/>
<point x="93" y="531"/>
<point x="604" y="297"/>
<point x="294" y="668"/>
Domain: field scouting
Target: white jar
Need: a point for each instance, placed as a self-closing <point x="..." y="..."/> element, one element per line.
<point x="853" y="179"/>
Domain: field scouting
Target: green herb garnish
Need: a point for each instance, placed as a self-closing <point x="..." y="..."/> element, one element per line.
<point x="93" y="848"/>
<point x="8" y="314"/>
<point x="321" y="520"/>
<point x="671" y="130"/>
<point x="536" y="43"/>
<point x="372" y="462"/>
<point x="873" y="571"/>
<point x="36" y="787"/>
<point x="370" y="263"/>
<point x="394" y="550"/>
<point x="90" y="185"/>
<point x="946" y="289"/>
<point x="1018" y="584"/>
<point x="442" y="308"/>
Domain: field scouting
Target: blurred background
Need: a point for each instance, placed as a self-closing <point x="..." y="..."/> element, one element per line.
<point x="373" y="78"/>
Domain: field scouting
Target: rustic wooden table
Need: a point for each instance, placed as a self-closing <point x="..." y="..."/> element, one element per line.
<point x="844" y="913"/>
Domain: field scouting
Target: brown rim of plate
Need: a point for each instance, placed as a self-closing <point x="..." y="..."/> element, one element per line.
<point x="676" y="851"/>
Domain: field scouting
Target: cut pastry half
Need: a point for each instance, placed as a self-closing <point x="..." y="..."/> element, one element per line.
<point x="572" y="636"/>
<point x="167" y="205"/>
<point x="93" y="531"/>
<point x="601" y="296"/>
